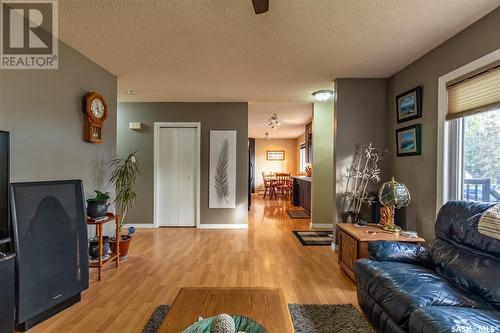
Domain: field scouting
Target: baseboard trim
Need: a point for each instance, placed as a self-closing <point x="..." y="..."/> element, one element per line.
<point x="322" y="226"/>
<point x="140" y="225"/>
<point x="223" y="226"/>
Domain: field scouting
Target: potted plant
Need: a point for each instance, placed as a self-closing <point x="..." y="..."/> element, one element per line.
<point x="98" y="207"/>
<point x="124" y="172"/>
<point x="94" y="247"/>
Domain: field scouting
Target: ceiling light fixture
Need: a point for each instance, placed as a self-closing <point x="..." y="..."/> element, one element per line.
<point x="131" y="92"/>
<point x="323" y="95"/>
<point x="267" y="137"/>
<point x="273" y="122"/>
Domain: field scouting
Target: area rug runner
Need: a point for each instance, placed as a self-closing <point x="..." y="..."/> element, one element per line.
<point x="298" y="214"/>
<point x="306" y="318"/>
<point x="308" y="238"/>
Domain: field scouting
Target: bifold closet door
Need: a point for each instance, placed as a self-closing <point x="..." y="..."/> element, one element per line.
<point x="186" y="198"/>
<point x="177" y="177"/>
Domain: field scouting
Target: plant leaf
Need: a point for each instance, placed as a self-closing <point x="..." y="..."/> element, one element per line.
<point x="221" y="179"/>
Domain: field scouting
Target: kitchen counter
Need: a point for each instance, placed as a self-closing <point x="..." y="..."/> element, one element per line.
<point x="301" y="192"/>
<point x="307" y="179"/>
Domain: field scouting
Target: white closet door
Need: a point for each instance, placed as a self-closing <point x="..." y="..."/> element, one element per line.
<point x="168" y="180"/>
<point x="187" y="177"/>
<point x="177" y="177"/>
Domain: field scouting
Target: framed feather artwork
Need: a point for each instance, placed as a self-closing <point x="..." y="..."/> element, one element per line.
<point x="222" y="181"/>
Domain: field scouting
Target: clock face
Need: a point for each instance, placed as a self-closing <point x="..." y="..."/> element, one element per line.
<point x="97" y="107"/>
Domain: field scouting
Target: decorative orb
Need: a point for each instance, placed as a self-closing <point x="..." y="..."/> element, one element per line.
<point x="223" y="323"/>
<point x="394" y="194"/>
<point x="241" y="324"/>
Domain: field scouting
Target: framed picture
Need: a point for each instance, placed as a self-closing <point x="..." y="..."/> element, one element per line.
<point x="222" y="181"/>
<point x="275" y="155"/>
<point x="409" y="105"/>
<point x="409" y="141"/>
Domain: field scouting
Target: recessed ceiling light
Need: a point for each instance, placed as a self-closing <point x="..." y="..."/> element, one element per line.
<point x="323" y="95"/>
<point x="131" y="92"/>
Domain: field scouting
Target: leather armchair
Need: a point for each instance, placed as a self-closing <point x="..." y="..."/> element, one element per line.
<point x="452" y="286"/>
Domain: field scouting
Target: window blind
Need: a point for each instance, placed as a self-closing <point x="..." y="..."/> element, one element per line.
<point x="479" y="93"/>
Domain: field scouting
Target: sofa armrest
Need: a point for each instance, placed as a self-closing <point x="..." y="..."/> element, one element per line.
<point x="399" y="252"/>
<point x="444" y="319"/>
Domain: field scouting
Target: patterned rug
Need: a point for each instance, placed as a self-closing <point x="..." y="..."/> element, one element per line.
<point x="314" y="237"/>
<point x="298" y="214"/>
<point x="306" y="318"/>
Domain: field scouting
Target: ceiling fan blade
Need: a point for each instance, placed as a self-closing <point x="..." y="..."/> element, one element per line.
<point x="260" y="6"/>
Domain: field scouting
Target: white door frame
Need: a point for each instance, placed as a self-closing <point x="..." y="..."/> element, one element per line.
<point x="157" y="126"/>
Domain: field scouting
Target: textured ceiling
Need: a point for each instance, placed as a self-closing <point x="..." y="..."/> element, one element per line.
<point x="219" y="50"/>
<point x="292" y="116"/>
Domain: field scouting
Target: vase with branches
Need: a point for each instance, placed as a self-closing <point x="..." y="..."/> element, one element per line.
<point x="363" y="171"/>
<point x="123" y="175"/>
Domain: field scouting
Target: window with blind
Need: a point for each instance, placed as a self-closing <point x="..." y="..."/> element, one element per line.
<point x="479" y="93"/>
<point x="473" y="110"/>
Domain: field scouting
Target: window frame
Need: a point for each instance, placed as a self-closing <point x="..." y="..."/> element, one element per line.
<point x="449" y="166"/>
<point x="302" y="157"/>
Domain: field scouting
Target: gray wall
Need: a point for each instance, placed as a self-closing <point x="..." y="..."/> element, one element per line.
<point x="212" y="116"/>
<point x="361" y="111"/>
<point x="43" y="111"/>
<point x="419" y="172"/>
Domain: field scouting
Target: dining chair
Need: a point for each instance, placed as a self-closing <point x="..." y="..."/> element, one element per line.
<point x="268" y="184"/>
<point x="283" y="184"/>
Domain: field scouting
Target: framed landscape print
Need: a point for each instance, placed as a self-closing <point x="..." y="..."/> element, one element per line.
<point x="409" y="105"/>
<point x="409" y="141"/>
<point x="275" y="155"/>
<point x="222" y="181"/>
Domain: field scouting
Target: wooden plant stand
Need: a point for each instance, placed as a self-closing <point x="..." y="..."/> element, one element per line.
<point x="98" y="232"/>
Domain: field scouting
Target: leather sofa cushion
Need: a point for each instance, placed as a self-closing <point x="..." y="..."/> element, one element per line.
<point x="457" y="222"/>
<point x="478" y="274"/>
<point x="444" y="319"/>
<point x="401" y="288"/>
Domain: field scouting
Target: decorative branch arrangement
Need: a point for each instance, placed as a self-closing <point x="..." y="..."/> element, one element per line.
<point x="364" y="169"/>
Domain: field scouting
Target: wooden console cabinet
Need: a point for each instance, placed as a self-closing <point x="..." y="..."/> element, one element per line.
<point x="353" y="242"/>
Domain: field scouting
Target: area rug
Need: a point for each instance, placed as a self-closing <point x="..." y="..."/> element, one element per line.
<point x="306" y="318"/>
<point x="298" y="214"/>
<point x="308" y="238"/>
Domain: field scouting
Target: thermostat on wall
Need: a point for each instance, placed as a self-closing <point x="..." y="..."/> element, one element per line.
<point x="135" y="125"/>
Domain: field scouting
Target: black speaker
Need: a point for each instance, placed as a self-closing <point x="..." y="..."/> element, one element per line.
<point x="50" y="238"/>
<point x="4" y="189"/>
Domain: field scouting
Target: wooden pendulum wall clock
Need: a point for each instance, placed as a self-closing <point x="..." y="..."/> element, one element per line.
<point x="96" y="112"/>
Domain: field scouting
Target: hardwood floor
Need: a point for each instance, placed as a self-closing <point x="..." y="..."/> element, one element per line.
<point x="163" y="260"/>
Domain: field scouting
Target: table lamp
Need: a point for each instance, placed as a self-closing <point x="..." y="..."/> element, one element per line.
<point x="393" y="195"/>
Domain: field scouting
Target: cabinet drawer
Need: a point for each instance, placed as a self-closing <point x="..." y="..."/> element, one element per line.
<point x="349" y="249"/>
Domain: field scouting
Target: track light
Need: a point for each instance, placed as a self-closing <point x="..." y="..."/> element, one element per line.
<point x="273" y="122"/>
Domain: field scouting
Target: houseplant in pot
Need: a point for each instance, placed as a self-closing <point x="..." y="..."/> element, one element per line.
<point x="98" y="207"/>
<point x="124" y="172"/>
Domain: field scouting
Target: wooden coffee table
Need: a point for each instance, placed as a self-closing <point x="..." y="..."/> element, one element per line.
<point x="265" y="305"/>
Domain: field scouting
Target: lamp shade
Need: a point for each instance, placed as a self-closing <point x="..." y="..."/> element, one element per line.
<point x="393" y="194"/>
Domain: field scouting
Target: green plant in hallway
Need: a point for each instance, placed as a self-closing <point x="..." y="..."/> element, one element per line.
<point x="124" y="173"/>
